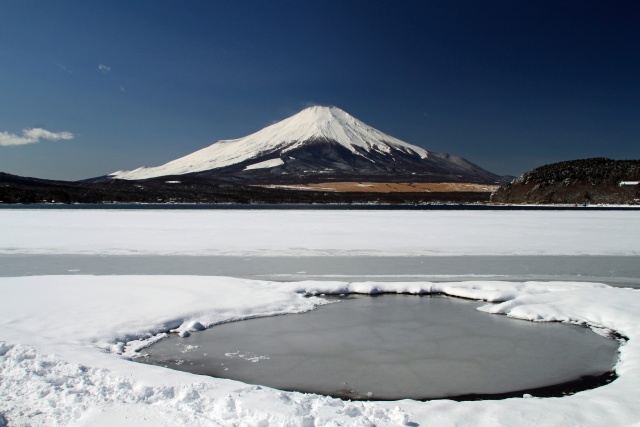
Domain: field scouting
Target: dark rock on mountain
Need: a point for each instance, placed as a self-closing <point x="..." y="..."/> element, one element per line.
<point x="324" y="161"/>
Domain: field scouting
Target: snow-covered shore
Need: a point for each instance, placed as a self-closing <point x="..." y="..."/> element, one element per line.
<point x="63" y="359"/>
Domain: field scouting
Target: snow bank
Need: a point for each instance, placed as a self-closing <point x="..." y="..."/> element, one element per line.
<point x="63" y="354"/>
<point x="312" y="232"/>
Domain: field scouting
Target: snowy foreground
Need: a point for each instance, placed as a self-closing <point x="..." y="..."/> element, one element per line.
<point x="65" y="340"/>
<point x="58" y="363"/>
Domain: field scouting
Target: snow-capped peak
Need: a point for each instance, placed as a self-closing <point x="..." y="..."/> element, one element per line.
<point x="334" y="124"/>
<point x="310" y="124"/>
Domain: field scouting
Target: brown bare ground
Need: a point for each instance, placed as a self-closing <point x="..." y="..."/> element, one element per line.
<point x="381" y="187"/>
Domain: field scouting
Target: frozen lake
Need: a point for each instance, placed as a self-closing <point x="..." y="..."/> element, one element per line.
<point x="520" y="355"/>
<point x="392" y="347"/>
<point x="613" y="270"/>
<point x="82" y="288"/>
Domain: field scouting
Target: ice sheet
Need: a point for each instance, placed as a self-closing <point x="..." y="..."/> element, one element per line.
<point x="326" y="232"/>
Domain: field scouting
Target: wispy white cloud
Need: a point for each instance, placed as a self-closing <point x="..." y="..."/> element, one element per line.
<point x="63" y="67"/>
<point x="307" y="104"/>
<point x="104" y="68"/>
<point x="31" y="136"/>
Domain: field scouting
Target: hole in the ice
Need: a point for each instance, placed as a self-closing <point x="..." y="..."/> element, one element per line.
<point x="394" y="347"/>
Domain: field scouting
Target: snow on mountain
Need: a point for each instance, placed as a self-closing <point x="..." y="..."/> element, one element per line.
<point x="265" y="164"/>
<point x="329" y="123"/>
<point x="318" y="141"/>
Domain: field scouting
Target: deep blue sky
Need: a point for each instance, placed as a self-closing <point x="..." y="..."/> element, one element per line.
<point x="509" y="85"/>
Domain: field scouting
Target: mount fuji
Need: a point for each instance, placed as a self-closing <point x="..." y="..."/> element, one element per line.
<point x="318" y="144"/>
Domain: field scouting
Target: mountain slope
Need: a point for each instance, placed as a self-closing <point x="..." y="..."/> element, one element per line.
<point x="319" y="143"/>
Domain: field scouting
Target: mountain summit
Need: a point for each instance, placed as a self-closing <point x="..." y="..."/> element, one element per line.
<point x="318" y="144"/>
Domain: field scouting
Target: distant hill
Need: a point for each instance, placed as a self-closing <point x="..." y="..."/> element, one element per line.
<point x="193" y="189"/>
<point x="592" y="181"/>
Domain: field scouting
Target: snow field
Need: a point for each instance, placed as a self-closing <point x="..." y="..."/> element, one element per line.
<point x="63" y="359"/>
